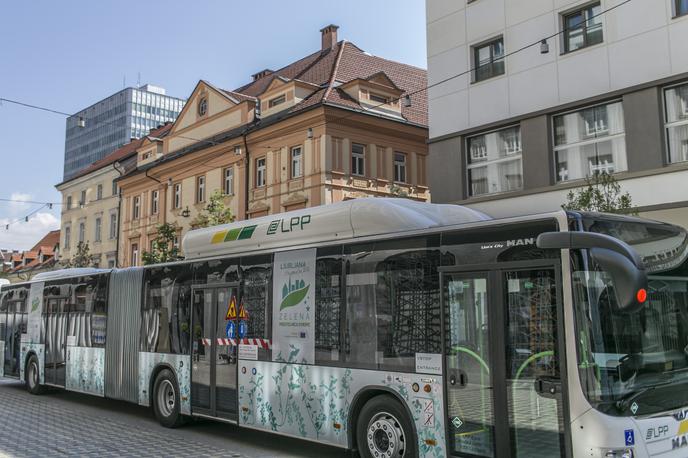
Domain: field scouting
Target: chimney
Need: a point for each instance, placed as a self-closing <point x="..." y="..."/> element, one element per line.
<point x="261" y="74"/>
<point x="329" y="36"/>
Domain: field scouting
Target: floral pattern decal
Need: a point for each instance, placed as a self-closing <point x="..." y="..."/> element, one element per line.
<point x="181" y="365"/>
<point x="314" y="401"/>
<point x="86" y="370"/>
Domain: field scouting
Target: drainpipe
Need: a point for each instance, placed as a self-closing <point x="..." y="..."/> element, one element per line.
<point x="247" y="176"/>
<point x="121" y="171"/>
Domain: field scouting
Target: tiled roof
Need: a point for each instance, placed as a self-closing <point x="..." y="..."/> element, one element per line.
<point x="51" y="239"/>
<point x="122" y="152"/>
<point x="342" y="63"/>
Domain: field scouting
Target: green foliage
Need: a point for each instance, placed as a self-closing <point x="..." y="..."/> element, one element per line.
<point x="163" y="247"/>
<point x="601" y="193"/>
<point x="214" y="214"/>
<point x="82" y="257"/>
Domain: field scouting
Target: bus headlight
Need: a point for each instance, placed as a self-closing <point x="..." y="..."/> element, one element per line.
<point x="619" y="453"/>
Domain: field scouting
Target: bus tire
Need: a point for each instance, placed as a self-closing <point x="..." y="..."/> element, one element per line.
<point x="166" y="400"/>
<point x="383" y="430"/>
<point x="32" y="376"/>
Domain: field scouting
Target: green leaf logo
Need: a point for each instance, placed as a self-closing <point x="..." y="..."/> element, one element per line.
<point x="34" y="304"/>
<point x="294" y="297"/>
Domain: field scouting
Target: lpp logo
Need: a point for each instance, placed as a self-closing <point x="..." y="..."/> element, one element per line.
<point x="657" y="432"/>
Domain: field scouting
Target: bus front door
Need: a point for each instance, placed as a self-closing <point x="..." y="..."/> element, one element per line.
<point x="503" y="347"/>
<point x="214" y="352"/>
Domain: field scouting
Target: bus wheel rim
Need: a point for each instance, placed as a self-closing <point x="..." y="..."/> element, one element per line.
<point x="385" y="436"/>
<point x="166" y="398"/>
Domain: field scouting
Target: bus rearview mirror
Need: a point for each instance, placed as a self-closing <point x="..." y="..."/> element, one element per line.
<point x="613" y="256"/>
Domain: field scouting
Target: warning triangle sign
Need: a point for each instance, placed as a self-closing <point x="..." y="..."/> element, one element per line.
<point x="243" y="315"/>
<point x="231" y="309"/>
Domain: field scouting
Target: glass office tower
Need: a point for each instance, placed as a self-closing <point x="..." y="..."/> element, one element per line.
<point x="114" y="121"/>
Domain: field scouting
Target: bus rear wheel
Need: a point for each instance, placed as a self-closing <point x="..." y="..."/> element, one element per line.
<point x="384" y="430"/>
<point x="166" y="400"/>
<point x="32" y="376"/>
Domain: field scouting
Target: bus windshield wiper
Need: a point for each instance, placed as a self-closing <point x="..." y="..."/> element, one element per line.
<point x="623" y="403"/>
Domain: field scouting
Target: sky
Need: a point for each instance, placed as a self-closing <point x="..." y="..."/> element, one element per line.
<point x="68" y="55"/>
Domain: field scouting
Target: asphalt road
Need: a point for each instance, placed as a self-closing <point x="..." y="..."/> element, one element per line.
<point x="62" y="423"/>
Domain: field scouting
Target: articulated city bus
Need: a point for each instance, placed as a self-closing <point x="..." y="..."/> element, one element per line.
<point x="396" y="328"/>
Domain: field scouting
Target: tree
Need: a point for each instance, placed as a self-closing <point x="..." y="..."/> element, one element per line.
<point x="82" y="257"/>
<point x="214" y="214"/>
<point x="163" y="248"/>
<point x="601" y="193"/>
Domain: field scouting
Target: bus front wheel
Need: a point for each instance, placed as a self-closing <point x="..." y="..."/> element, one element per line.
<point x="384" y="430"/>
<point x="166" y="400"/>
<point x="33" y="376"/>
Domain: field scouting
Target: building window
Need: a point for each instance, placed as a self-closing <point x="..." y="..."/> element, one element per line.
<point x="260" y="172"/>
<point x="229" y="181"/>
<point x="681" y="7"/>
<point x="494" y="162"/>
<point x="155" y="198"/>
<point x="357" y="159"/>
<point x="296" y="162"/>
<point x="590" y="141"/>
<point x="676" y="103"/>
<point x="113" y="226"/>
<point x="82" y="201"/>
<point x="115" y="191"/>
<point x="202" y="107"/>
<point x="582" y="27"/>
<point x="378" y="98"/>
<point x="488" y="60"/>
<point x="69" y="202"/>
<point x="68" y="237"/>
<point x="99" y="192"/>
<point x="177" y="201"/>
<point x="82" y="232"/>
<point x="277" y="101"/>
<point x="136" y="209"/>
<point x="134" y="254"/>
<point x="111" y="263"/>
<point x="400" y="167"/>
<point x="99" y="227"/>
<point x="200" y="189"/>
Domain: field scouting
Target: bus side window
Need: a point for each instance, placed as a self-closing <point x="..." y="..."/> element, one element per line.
<point x="256" y="299"/>
<point x="329" y="297"/>
<point x="393" y="303"/>
<point x="165" y="314"/>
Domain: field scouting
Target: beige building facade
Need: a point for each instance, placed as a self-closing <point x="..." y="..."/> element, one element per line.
<point x="91" y="204"/>
<point x="334" y="125"/>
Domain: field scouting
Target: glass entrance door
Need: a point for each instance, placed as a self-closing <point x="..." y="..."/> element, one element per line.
<point x="503" y="350"/>
<point x="214" y="352"/>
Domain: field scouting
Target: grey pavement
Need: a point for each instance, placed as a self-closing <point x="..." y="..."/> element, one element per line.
<point x="61" y="423"/>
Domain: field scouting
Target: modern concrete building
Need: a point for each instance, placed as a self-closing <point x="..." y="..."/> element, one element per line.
<point x="331" y="126"/>
<point x="113" y="122"/>
<point x="608" y="93"/>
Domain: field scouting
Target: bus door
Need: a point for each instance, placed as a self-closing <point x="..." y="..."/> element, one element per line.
<point x="13" y="324"/>
<point x="214" y="353"/>
<point x="504" y="369"/>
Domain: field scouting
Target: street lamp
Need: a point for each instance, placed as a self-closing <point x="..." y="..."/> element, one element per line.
<point x="186" y="213"/>
<point x="544" y="46"/>
<point x="407" y="101"/>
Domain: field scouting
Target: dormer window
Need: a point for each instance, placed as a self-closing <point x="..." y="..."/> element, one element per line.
<point x="277" y="101"/>
<point x="377" y="98"/>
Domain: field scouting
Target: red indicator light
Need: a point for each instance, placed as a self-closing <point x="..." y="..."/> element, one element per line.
<point x="641" y="295"/>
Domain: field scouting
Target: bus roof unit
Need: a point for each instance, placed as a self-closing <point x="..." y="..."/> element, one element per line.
<point x="337" y="221"/>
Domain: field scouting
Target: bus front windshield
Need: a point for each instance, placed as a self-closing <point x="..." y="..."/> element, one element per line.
<point x="634" y="363"/>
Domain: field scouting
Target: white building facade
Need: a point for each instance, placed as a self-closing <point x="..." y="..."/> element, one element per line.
<point x="513" y="135"/>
